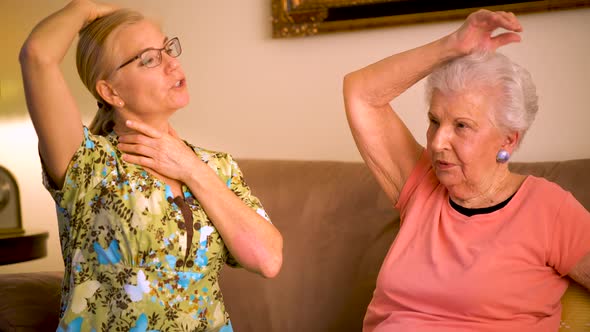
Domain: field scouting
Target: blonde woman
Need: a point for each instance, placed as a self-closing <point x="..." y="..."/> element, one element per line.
<point x="146" y="220"/>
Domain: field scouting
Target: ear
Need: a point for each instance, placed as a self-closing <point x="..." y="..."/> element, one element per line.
<point x="511" y="141"/>
<point x="108" y="94"/>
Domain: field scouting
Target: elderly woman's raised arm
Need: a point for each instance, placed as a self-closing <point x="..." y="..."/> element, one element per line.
<point x="385" y="143"/>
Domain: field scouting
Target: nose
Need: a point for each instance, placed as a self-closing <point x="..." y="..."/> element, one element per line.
<point x="170" y="63"/>
<point x="439" y="138"/>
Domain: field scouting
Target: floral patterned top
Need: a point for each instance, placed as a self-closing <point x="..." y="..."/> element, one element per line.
<point x="136" y="258"/>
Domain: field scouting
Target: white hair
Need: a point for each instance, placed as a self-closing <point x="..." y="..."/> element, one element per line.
<point x="517" y="104"/>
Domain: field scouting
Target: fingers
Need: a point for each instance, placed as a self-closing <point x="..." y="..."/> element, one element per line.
<point x="97" y="9"/>
<point x="508" y="21"/>
<point x="505" y="38"/>
<point x="172" y="132"/>
<point x="137" y="139"/>
<point x="499" y="19"/>
<point x="477" y="33"/>
<point x="488" y="20"/>
<point x="137" y="149"/>
<point x="139" y="160"/>
<point x="143" y="128"/>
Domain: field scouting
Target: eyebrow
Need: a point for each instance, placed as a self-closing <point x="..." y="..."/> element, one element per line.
<point x="152" y="48"/>
<point x="139" y="55"/>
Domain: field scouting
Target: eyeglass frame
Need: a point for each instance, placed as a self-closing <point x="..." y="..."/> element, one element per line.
<point x="168" y="43"/>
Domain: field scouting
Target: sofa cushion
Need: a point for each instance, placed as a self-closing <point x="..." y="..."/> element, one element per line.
<point x="575" y="313"/>
<point x="337" y="226"/>
<point x="29" y="301"/>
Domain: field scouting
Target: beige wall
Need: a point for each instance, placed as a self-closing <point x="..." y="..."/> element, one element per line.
<point x="258" y="97"/>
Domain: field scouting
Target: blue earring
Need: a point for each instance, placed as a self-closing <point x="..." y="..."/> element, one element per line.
<point x="502" y="156"/>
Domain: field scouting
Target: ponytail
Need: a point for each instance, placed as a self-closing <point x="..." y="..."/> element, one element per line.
<point x="103" y="121"/>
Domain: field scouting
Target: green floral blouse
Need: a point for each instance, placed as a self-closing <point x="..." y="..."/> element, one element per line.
<point x="136" y="258"/>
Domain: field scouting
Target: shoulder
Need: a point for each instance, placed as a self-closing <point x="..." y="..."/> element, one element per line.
<point x="543" y="189"/>
<point x="93" y="143"/>
<point x="95" y="158"/>
<point x="221" y="162"/>
<point x="211" y="156"/>
<point x="95" y="151"/>
<point x="548" y="198"/>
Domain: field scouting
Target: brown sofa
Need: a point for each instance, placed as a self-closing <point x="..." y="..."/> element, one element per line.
<point x="337" y="226"/>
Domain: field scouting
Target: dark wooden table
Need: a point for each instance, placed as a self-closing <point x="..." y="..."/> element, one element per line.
<point x="16" y="248"/>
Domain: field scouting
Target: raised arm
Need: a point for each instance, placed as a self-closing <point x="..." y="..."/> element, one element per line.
<point x="385" y="143"/>
<point x="52" y="107"/>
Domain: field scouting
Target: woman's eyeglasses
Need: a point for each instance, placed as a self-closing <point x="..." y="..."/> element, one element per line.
<point x="152" y="57"/>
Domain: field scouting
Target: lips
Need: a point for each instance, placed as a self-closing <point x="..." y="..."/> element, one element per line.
<point x="441" y="164"/>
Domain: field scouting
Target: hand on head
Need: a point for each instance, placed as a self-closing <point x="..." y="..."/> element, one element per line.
<point x="476" y="33"/>
<point x="95" y="9"/>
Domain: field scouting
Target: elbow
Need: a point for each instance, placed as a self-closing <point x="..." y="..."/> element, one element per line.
<point x="25" y="53"/>
<point x="273" y="264"/>
<point x="353" y="83"/>
<point x="353" y="90"/>
<point x="31" y="53"/>
<point x="348" y="84"/>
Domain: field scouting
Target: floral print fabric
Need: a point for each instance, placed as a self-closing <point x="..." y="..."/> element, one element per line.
<point x="136" y="258"/>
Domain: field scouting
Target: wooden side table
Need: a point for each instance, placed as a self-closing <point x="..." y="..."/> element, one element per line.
<point x="16" y="248"/>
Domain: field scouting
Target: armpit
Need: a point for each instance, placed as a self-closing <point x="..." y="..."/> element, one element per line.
<point x="581" y="271"/>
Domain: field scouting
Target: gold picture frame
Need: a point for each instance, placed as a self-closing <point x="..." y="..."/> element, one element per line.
<point x="296" y="18"/>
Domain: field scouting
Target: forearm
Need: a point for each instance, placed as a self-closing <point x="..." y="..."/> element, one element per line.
<point x="385" y="143"/>
<point x="51" y="38"/>
<point x="379" y="83"/>
<point x="255" y="243"/>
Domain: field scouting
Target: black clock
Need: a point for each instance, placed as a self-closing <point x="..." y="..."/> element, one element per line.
<point x="10" y="212"/>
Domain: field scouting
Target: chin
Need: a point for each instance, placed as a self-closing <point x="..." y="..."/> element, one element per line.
<point x="181" y="102"/>
<point x="446" y="179"/>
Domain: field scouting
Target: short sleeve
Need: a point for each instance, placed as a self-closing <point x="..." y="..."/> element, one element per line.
<point x="237" y="185"/>
<point x="242" y="190"/>
<point x="570" y="236"/>
<point x="86" y="169"/>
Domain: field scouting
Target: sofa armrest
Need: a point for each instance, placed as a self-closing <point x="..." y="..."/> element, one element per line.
<point x="30" y="301"/>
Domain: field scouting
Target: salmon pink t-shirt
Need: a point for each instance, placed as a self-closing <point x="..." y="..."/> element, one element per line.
<point x="501" y="271"/>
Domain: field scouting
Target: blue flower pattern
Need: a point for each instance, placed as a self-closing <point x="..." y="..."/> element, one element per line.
<point x="126" y="249"/>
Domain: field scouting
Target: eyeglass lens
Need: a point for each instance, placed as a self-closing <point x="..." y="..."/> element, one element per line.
<point x="152" y="57"/>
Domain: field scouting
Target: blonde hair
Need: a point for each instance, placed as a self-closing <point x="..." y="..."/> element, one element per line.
<point x="94" y="62"/>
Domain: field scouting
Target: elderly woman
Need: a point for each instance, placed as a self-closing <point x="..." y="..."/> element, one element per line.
<point x="146" y="220"/>
<point x="480" y="248"/>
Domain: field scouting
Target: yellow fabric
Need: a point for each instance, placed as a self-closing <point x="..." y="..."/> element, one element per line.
<point x="575" y="315"/>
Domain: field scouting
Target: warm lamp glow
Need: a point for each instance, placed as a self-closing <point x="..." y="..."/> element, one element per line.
<point x="12" y="98"/>
<point x="11" y="90"/>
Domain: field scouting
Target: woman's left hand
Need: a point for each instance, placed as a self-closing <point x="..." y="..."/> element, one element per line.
<point x="163" y="152"/>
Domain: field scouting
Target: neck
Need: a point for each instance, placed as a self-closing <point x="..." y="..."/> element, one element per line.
<point x="158" y="122"/>
<point x="487" y="193"/>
